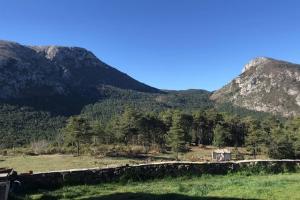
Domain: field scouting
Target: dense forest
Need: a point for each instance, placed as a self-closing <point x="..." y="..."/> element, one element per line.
<point x="161" y="129"/>
<point x="21" y="123"/>
<point x="177" y="131"/>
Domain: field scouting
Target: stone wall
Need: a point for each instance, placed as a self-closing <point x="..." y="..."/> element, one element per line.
<point x="56" y="179"/>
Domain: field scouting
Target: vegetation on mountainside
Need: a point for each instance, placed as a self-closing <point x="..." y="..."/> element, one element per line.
<point x="178" y="131"/>
<point x="20" y="125"/>
<point x="158" y="121"/>
<point x="116" y="100"/>
<point x="160" y="129"/>
<point x="23" y="124"/>
<point x="25" y="121"/>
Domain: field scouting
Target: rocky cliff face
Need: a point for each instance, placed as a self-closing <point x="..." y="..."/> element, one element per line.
<point x="35" y="71"/>
<point x="265" y="84"/>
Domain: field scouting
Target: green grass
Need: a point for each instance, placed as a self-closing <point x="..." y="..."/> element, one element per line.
<point x="233" y="186"/>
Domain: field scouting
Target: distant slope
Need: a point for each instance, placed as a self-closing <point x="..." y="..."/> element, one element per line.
<point x="266" y="85"/>
<point x="118" y="99"/>
<point x="23" y="124"/>
<point x="59" y="79"/>
<point x="42" y="86"/>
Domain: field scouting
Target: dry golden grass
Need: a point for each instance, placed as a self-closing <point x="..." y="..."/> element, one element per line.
<point x="43" y="163"/>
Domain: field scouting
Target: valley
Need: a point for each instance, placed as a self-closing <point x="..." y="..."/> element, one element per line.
<point x="61" y="108"/>
<point x="149" y="100"/>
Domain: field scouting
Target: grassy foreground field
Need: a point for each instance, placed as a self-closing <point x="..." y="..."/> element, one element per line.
<point x="43" y="163"/>
<point x="234" y="186"/>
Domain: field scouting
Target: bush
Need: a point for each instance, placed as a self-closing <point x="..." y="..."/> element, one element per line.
<point x="281" y="148"/>
<point x="39" y="147"/>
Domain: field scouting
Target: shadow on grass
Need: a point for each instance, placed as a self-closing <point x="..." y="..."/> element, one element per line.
<point x="143" y="196"/>
<point x="147" y="196"/>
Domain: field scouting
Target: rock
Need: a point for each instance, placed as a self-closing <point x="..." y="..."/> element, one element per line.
<point x="266" y="85"/>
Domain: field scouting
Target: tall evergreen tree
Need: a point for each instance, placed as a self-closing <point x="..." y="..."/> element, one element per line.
<point x="176" y="135"/>
<point x="77" y="130"/>
<point x="281" y="145"/>
<point x="221" y="135"/>
<point x="127" y="126"/>
<point x="254" y="141"/>
<point x="199" y="128"/>
<point x="237" y="129"/>
<point x="256" y="134"/>
<point x="186" y="122"/>
<point x="99" y="134"/>
<point x="213" y="118"/>
<point x="152" y="130"/>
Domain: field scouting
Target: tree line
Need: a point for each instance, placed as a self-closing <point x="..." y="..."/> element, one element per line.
<point x="177" y="131"/>
<point x="25" y="121"/>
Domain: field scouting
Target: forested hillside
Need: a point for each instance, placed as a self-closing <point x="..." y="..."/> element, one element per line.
<point x="42" y="87"/>
<point x="118" y="100"/>
<point x="23" y="123"/>
<point x="175" y="130"/>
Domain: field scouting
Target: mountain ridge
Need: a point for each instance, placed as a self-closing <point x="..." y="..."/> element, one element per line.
<point x="265" y="84"/>
<point x="75" y="76"/>
<point x="61" y="69"/>
<point x="41" y="86"/>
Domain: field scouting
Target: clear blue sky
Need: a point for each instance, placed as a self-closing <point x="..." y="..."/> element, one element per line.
<point x="168" y="44"/>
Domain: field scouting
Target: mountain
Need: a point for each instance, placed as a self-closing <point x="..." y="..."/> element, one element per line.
<point x="267" y="85"/>
<point x="41" y="74"/>
<point x="41" y="86"/>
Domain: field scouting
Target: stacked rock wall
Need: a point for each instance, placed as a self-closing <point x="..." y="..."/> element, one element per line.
<point x="51" y="180"/>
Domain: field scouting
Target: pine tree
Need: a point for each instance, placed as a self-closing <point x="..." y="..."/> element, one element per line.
<point x="221" y="134"/>
<point x="99" y="134"/>
<point x="176" y="135"/>
<point x="127" y="124"/>
<point x="198" y="128"/>
<point x="281" y="145"/>
<point x="77" y="131"/>
<point x="152" y="130"/>
<point x="254" y="141"/>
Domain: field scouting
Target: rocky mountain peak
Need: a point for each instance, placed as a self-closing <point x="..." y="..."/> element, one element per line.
<point x="256" y="62"/>
<point x="59" y="53"/>
<point x="49" y="52"/>
<point x="266" y="84"/>
<point x="42" y="71"/>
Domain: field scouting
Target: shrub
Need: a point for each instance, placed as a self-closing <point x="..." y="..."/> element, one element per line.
<point x="39" y="147"/>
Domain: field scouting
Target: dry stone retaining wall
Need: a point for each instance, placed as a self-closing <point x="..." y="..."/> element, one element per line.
<point x="57" y="179"/>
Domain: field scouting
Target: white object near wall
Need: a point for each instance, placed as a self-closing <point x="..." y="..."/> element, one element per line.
<point x="221" y="155"/>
